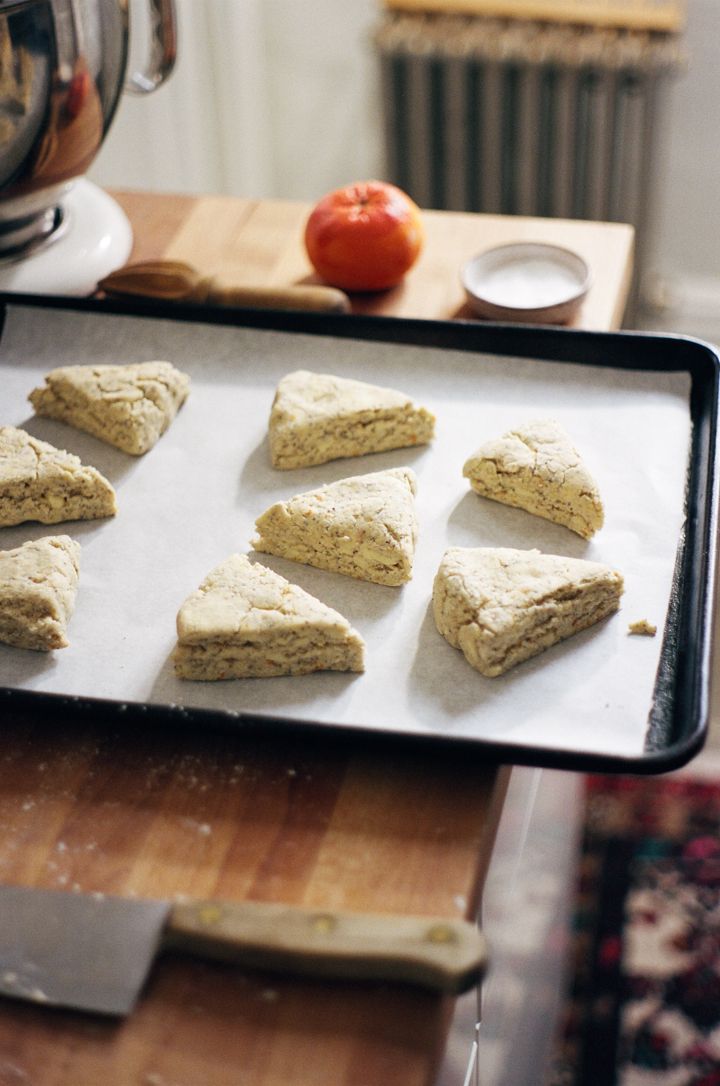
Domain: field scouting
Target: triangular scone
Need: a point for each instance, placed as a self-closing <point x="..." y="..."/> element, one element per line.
<point x="364" y="527"/>
<point x="316" y="417"/>
<point x="40" y="482"/>
<point x="501" y="606"/>
<point x="245" y="621"/>
<point x="536" y="467"/>
<point x="38" y="585"/>
<point x="128" y="406"/>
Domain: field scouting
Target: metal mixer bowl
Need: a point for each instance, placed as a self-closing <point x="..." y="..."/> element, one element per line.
<point x="63" y="67"/>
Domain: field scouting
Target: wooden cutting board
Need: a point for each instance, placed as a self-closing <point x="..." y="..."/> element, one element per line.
<point x="165" y="813"/>
<point x="259" y="242"/>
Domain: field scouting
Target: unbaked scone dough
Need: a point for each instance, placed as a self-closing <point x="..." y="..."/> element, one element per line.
<point x="42" y="483"/>
<point x="128" y="406"/>
<point x="364" y="527"/>
<point x="537" y="468"/>
<point x="500" y="606"/>
<point x="245" y="621"/>
<point x="316" y="417"/>
<point x="38" y="585"/>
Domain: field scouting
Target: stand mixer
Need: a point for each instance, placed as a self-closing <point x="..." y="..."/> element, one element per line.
<point x="63" y="67"/>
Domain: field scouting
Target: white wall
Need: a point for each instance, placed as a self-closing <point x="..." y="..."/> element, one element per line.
<point x="269" y="98"/>
<point x="687" y="237"/>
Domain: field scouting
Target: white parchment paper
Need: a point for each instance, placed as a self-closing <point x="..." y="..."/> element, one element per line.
<point x="193" y="499"/>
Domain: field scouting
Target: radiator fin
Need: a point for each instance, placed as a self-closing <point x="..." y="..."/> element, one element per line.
<point x="524" y="119"/>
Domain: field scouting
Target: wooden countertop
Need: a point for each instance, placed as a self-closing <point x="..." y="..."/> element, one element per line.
<point x="165" y="813"/>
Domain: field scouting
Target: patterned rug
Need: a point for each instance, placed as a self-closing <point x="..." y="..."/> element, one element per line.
<point x="643" y="1005"/>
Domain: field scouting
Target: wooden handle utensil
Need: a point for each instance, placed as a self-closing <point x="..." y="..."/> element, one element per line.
<point x="174" y="280"/>
<point x="95" y="951"/>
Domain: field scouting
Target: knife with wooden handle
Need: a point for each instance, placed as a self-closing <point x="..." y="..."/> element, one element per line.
<point x="94" y="952"/>
<point x="176" y="281"/>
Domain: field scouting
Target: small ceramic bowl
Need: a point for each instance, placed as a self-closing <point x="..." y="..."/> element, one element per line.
<point x="528" y="282"/>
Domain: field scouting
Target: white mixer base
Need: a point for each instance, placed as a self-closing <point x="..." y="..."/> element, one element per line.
<point x="96" y="239"/>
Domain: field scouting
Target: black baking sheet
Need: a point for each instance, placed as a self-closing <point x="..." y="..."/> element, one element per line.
<point x="675" y="721"/>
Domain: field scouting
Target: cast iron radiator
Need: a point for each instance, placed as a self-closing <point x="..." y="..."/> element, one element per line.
<point x="526" y="118"/>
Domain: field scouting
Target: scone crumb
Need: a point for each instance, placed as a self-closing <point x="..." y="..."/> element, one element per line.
<point x="643" y="628"/>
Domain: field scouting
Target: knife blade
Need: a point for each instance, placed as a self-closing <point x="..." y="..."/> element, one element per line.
<point x="177" y="281"/>
<point x="94" y="952"/>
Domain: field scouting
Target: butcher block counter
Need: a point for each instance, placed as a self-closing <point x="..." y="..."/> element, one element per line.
<point x="160" y="812"/>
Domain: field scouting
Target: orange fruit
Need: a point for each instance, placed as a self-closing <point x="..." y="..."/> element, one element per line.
<point x="364" y="236"/>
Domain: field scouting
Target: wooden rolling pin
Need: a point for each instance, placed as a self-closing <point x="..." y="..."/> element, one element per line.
<point x="176" y="281"/>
